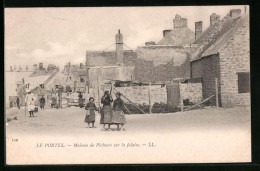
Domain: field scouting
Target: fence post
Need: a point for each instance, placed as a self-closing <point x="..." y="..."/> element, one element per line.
<point x="181" y="99"/>
<point x="216" y="86"/>
<point x="149" y="94"/>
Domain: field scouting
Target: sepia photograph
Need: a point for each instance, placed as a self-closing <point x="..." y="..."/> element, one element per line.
<point x="127" y="85"/>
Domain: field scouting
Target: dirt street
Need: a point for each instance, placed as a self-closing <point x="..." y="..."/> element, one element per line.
<point x="206" y="135"/>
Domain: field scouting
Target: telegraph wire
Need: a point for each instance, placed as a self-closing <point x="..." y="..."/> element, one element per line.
<point x="109" y="46"/>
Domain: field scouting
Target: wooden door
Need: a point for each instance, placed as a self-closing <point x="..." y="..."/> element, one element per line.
<point x="173" y="94"/>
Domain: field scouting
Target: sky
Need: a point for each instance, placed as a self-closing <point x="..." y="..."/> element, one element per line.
<point x="61" y="35"/>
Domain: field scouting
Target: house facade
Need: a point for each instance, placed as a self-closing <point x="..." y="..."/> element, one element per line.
<point x="224" y="53"/>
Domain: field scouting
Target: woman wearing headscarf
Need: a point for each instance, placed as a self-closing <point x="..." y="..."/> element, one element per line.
<point x="118" y="116"/>
<point x="80" y="100"/>
<point x="106" y="112"/>
<point x="90" y="116"/>
<point x="42" y="102"/>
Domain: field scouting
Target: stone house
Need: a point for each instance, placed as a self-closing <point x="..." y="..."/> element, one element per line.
<point x="170" y="57"/>
<point x="223" y="53"/>
<point x="170" y="47"/>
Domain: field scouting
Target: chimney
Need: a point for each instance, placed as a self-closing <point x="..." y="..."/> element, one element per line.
<point x="149" y="43"/>
<point x="119" y="48"/>
<point x="165" y="32"/>
<point x="11" y="69"/>
<point x="235" y="13"/>
<point x="198" y="29"/>
<point x="179" y="22"/>
<point x="40" y="66"/>
<point x="214" y="18"/>
<point x="81" y="65"/>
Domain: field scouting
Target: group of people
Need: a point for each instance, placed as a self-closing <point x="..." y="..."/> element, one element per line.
<point x="111" y="112"/>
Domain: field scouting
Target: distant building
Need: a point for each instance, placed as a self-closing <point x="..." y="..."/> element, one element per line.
<point x="223" y="53"/>
<point x="51" y="67"/>
<point x="180" y="35"/>
<point x="104" y="66"/>
<point x="169" y="58"/>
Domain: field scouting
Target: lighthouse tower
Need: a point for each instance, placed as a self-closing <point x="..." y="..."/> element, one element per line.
<point x="119" y="48"/>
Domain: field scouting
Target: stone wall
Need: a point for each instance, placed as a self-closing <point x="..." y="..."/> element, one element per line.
<point x="104" y="58"/>
<point x="207" y="68"/>
<point x="191" y="91"/>
<point x="105" y="74"/>
<point x="162" y="54"/>
<point x="145" y="71"/>
<point x="140" y="94"/>
<point x="234" y="58"/>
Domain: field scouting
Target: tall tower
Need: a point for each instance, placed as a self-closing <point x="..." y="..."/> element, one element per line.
<point x="119" y="48"/>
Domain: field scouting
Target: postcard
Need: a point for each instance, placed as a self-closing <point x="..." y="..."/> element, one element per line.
<point x="127" y="85"/>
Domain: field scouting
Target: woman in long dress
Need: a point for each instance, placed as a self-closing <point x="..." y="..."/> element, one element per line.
<point x="90" y="116"/>
<point x="118" y="116"/>
<point x="42" y="102"/>
<point x="106" y="112"/>
<point x="80" y="100"/>
<point x="53" y="100"/>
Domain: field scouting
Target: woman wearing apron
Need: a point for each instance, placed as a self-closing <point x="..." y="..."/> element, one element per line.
<point x="118" y="116"/>
<point x="106" y="112"/>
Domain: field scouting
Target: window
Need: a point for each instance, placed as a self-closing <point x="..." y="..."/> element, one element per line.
<point x="243" y="82"/>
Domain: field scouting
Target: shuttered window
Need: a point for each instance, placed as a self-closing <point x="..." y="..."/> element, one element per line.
<point x="243" y="82"/>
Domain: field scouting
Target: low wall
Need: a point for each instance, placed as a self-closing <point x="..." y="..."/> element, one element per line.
<point x="140" y="94"/>
<point x="191" y="91"/>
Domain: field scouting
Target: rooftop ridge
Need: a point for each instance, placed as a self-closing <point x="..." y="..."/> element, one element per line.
<point x="233" y="29"/>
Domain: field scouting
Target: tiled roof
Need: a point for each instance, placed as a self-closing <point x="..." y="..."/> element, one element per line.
<point x="216" y="36"/>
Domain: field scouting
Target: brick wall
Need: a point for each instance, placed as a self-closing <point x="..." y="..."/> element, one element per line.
<point x="191" y="91"/>
<point x="234" y="58"/>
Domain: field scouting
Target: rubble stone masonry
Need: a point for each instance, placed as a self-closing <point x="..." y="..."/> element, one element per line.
<point x="234" y="58"/>
<point x="140" y="94"/>
<point x="191" y="91"/>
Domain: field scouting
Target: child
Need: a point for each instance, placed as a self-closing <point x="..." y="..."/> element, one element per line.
<point x="90" y="116"/>
<point x="31" y="107"/>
